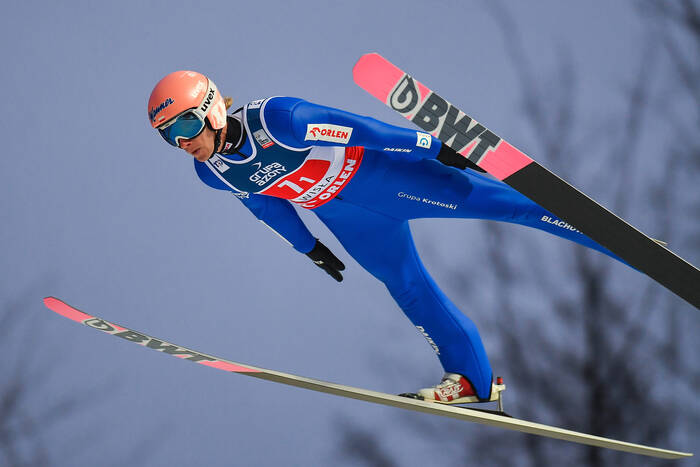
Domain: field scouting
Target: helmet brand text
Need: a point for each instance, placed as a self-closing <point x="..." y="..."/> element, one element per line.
<point x="156" y="110"/>
<point x="207" y="101"/>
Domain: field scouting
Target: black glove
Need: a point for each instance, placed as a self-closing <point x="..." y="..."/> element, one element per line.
<point x="452" y="158"/>
<point x="326" y="260"/>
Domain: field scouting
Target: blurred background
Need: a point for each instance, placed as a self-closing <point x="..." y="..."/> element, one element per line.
<point x="99" y="211"/>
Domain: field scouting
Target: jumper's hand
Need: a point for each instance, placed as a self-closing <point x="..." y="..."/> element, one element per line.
<point x="326" y="260"/>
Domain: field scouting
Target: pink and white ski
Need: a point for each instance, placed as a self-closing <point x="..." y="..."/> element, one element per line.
<point x="470" y="415"/>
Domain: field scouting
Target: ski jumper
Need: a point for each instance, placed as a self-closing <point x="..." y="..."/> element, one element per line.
<point x="365" y="180"/>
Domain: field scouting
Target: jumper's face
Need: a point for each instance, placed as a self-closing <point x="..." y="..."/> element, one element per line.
<point x="201" y="147"/>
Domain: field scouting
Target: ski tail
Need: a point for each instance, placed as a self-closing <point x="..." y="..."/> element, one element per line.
<point x="435" y="115"/>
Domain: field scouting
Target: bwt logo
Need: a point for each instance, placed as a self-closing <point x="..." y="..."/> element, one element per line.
<point x="435" y="115"/>
<point x="156" y="110"/>
<point x="99" y="324"/>
<point x="147" y="341"/>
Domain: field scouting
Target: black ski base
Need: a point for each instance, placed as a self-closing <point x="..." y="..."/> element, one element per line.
<point x="638" y="250"/>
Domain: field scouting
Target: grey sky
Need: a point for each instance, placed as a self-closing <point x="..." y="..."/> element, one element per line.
<point x="99" y="211"/>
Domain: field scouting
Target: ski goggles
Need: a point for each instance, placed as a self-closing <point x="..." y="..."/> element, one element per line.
<point x="189" y="124"/>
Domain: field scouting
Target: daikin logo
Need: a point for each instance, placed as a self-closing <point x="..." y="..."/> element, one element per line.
<point x="156" y="110"/>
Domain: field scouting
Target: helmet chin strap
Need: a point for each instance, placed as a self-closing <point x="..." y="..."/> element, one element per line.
<point x="233" y="135"/>
<point x="217" y="141"/>
<point x="217" y="136"/>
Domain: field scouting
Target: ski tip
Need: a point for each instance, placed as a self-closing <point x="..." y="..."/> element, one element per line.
<point x="369" y="57"/>
<point x="64" y="309"/>
<point x="366" y="62"/>
<point x="54" y="304"/>
<point x="49" y="301"/>
<point x="376" y="75"/>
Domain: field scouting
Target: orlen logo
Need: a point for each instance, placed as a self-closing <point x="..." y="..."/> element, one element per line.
<point x="208" y="100"/>
<point x="156" y="110"/>
<point x="328" y="132"/>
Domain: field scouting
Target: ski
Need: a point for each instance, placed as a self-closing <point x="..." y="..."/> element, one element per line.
<point x="435" y="115"/>
<point x="460" y="413"/>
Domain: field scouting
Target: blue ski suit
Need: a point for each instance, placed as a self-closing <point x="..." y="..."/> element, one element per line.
<point x="365" y="180"/>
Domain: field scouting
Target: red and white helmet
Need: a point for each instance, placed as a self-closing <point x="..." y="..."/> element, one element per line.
<point x="181" y="91"/>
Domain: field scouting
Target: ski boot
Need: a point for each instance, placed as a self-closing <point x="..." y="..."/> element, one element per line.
<point x="456" y="389"/>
